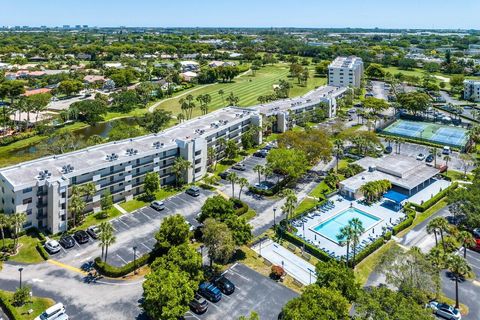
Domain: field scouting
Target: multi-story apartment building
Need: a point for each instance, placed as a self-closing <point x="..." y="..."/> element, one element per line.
<point x="345" y="72"/>
<point x="471" y="90"/>
<point x="41" y="188"/>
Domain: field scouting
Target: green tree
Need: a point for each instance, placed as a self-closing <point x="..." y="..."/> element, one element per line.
<point x="174" y="231"/>
<point x="125" y="101"/>
<point x="167" y="293"/>
<point x="21" y="296"/>
<point x="375" y="71"/>
<point x="357" y="228"/>
<point x="106" y="202"/>
<point x="70" y="87"/>
<point x="179" y="168"/>
<point x="89" y="111"/>
<point x="258" y="168"/>
<point x="414" y="102"/>
<point x="317" y="303"/>
<point x="290" y="202"/>
<point x="315" y="144"/>
<point x="151" y="185"/>
<point x="231" y="149"/>
<point x="76" y="206"/>
<point x="337" y="276"/>
<point x="346" y="237"/>
<point x="181" y="258"/>
<point x="467" y="241"/>
<point x="218" y="238"/>
<point x="4" y="224"/>
<point x="253" y="316"/>
<point x="459" y="267"/>
<point x="232" y="99"/>
<point x="243" y="183"/>
<point x="38" y="103"/>
<point x="106" y="233"/>
<point x="216" y="207"/>
<point x="290" y="163"/>
<point x="156" y="121"/>
<point x="17" y="221"/>
<point x="233" y="178"/>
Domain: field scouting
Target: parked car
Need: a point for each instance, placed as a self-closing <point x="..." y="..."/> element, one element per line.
<point x="225" y="285"/>
<point x="67" y="241"/>
<point x="198" y="305"/>
<point x="52" y="246"/>
<point x="420" y="157"/>
<point x="193" y="191"/>
<point x="388" y="149"/>
<point x="444" y="310"/>
<point x="446" y="150"/>
<point x="223" y="175"/>
<point x="239" y="166"/>
<point x="94" y="232"/>
<point x="209" y="291"/>
<point x="158" y="205"/>
<point x="81" y="236"/>
<point x="52" y="313"/>
<point x="429" y="158"/>
<point x="261" y="154"/>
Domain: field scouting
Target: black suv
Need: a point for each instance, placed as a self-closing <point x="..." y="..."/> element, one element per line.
<point x="81" y="236"/>
<point x="67" y="241"/>
<point x="224" y="175"/>
<point x="225" y="285"/>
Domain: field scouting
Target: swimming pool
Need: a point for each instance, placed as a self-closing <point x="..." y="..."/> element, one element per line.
<point x="331" y="228"/>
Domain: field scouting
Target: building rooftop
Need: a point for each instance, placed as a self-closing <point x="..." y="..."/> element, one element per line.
<point x="295" y="103"/>
<point x="93" y="158"/>
<point x="402" y="171"/>
<point x="344" y="62"/>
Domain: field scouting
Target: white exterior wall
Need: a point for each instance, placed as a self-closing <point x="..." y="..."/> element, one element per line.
<point x="471" y="90"/>
<point x="345" y="72"/>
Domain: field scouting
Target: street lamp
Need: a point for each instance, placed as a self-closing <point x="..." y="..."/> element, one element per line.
<point x="201" y="253"/>
<point x="134" y="259"/>
<point x="20" y="270"/>
<point x="274" y="210"/>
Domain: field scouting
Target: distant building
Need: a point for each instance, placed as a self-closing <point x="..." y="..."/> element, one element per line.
<point x="188" y="75"/>
<point x="36" y="91"/>
<point x="94" y="79"/>
<point x="84" y="56"/>
<point x="216" y="64"/>
<point x="189" y="66"/>
<point x="345" y="71"/>
<point x="471" y="90"/>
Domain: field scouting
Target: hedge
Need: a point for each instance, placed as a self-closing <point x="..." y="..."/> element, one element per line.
<point x="405" y="223"/>
<point x="42" y="251"/>
<point x="17" y="137"/>
<point x="385" y="134"/>
<point x="116" y="272"/>
<point x="314" y="251"/>
<point x="427" y="204"/>
<point x="369" y="250"/>
<point x="241" y="207"/>
<point x="9" y="310"/>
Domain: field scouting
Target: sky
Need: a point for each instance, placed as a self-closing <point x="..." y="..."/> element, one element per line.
<point x="426" y="14"/>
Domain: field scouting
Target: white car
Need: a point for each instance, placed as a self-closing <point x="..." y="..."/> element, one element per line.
<point x="444" y="310"/>
<point x="53" y="312"/>
<point x="158" y="205"/>
<point x="420" y="157"/>
<point x="52" y="246"/>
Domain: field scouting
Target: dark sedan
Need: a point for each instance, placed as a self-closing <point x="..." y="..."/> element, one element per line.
<point x="81" y="236"/>
<point x="67" y="241"/>
<point x="225" y="285"/>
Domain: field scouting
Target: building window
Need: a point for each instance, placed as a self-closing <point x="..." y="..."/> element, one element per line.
<point x="27" y="190"/>
<point x="198" y="170"/>
<point x="27" y="201"/>
<point x="198" y="152"/>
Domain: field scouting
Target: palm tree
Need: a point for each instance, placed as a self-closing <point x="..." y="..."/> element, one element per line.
<point x="89" y="189"/>
<point x="233" y="178"/>
<point x="242" y="182"/>
<point x="432" y="228"/>
<point x="437" y="258"/>
<point x="357" y="230"/>
<point x="467" y="240"/>
<point x="259" y="170"/>
<point x="345" y="237"/>
<point x="433" y="151"/>
<point x="211" y="156"/>
<point x="106" y="230"/>
<point x="459" y="267"/>
<point x="76" y="206"/>
<point x="17" y="220"/>
<point x="447" y="158"/>
<point x="108" y="239"/>
<point x="338" y="150"/>
<point x="290" y="202"/>
<point x="181" y="117"/>
<point x="442" y="225"/>
<point x="5" y="222"/>
<point x="267" y="172"/>
<point x="179" y="167"/>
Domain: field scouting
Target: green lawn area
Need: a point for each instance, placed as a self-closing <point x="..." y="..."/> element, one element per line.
<point x="248" y="88"/>
<point x="457" y="175"/>
<point x="28" y="252"/>
<point x="422" y="216"/>
<point x="249" y="215"/>
<point x="95" y="218"/>
<point x="364" y="268"/>
<point x="319" y="190"/>
<point x="37" y="304"/>
<point x="306" y="204"/>
<point x="137" y="203"/>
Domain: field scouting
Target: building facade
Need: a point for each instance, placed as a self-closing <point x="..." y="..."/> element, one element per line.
<point x="471" y="90"/>
<point x="41" y="188"/>
<point x="345" y="72"/>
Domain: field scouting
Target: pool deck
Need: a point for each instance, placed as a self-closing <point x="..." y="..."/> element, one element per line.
<point x="340" y="204"/>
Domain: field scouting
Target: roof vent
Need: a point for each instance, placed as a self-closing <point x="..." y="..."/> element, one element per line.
<point x="112" y="157"/>
<point x="158" y="144"/>
<point x="44" y="174"/>
<point x="131" y="152"/>
<point x="67" y="168"/>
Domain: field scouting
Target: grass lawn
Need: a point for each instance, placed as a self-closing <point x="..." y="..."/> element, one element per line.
<point x="28" y="252"/>
<point x="457" y="175"/>
<point x="137" y="203"/>
<point x="364" y="268"/>
<point x="38" y="305"/>
<point x="248" y="88"/>
<point x="306" y="204"/>
<point x="422" y="216"/>
<point x="319" y="190"/>
<point x="249" y="215"/>
<point x="95" y="218"/>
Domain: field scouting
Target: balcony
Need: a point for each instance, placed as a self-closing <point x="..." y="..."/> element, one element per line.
<point x="42" y="192"/>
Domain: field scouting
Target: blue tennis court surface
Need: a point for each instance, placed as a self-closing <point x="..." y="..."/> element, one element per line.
<point x="437" y="133"/>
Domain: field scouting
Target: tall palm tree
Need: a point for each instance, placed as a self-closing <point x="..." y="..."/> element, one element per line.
<point x="242" y="182"/>
<point x="233" y="178"/>
<point x="446" y="159"/>
<point x="180" y="166"/>
<point x="259" y="170"/>
<point x="442" y="225"/>
<point x="5" y="222"/>
<point x="89" y="189"/>
<point x="459" y="267"/>
<point x="76" y="207"/>
<point x="221" y="93"/>
<point x="109" y="239"/>
<point x="467" y="240"/>
<point x="432" y="228"/>
<point x="106" y="230"/>
<point x="17" y="220"/>
<point x="345" y="237"/>
<point x="267" y="172"/>
<point x="357" y="230"/>
<point x="338" y="150"/>
<point x="433" y="152"/>
<point x="290" y="202"/>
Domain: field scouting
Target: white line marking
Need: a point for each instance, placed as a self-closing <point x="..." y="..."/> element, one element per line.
<point x="124" y="223"/>
<point x="143" y="244"/>
<point x="121" y="258"/>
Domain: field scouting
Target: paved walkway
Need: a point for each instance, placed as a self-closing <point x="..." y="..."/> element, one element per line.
<point x="119" y="208"/>
<point x="295" y="266"/>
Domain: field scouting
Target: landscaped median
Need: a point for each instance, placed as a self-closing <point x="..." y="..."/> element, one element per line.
<point x="36" y="304"/>
<point x="138" y="202"/>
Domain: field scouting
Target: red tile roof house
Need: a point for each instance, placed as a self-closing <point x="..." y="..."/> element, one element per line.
<point x="36" y="91"/>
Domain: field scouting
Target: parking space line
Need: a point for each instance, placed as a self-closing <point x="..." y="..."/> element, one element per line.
<point x="146" y="216"/>
<point x="190" y="314"/>
<point x="238" y="274"/>
<point x="122" y="258"/>
<point x="143" y="244"/>
<point x="213" y="304"/>
<point x="124" y="223"/>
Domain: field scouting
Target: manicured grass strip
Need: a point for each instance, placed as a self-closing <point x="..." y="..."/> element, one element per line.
<point x="38" y="305"/>
<point x="137" y="203"/>
<point x="28" y="252"/>
<point x="367" y="265"/>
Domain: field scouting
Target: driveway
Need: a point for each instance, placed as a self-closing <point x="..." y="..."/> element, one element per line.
<point x="253" y="292"/>
<point x="135" y="229"/>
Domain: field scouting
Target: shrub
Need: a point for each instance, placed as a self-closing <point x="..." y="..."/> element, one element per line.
<point x="369" y="250"/>
<point x="429" y="203"/>
<point x="117" y="272"/>
<point x="314" y="251"/>
<point x="277" y="272"/>
<point x="21" y="296"/>
<point x="405" y="223"/>
<point x="42" y="250"/>
<point x="7" y="307"/>
<point x="387" y="236"/>
<point x="17" y="137"/>
<point x="240" y="206"/>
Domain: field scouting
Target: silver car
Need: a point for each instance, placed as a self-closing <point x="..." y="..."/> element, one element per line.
<point x="444" y="310"/>
<point x="52" y="246"/>
<point x="158" y="205"/>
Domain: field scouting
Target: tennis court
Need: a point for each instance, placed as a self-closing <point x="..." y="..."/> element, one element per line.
<point x="436" y="133"/>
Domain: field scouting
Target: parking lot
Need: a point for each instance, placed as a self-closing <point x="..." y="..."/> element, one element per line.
<point x="135" y="229"/>
<point x="253" y="292"/>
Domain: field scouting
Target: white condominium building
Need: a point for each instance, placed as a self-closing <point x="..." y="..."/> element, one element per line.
<point x="345" y="72"/>
<point x="41" y="188"/>
<point x="471" y="90"/>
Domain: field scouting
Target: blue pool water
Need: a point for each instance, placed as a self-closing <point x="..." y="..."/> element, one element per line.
<point x="331" y="228"/>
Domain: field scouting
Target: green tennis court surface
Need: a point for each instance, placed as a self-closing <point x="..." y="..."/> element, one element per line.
<point x="437" y="133"/>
